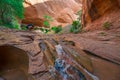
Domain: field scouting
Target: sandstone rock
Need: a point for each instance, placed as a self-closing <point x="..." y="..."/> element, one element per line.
<point x="24" y="55"/>
<point x="62" y="11"/>
<point x="89" y="56"/>
<point x="102" y="55"/>
<point x="93" y="58"/>
<point x="95" y="13"/>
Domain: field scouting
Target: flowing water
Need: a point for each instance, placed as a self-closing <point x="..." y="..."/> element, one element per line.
<point x="62" y="66"/>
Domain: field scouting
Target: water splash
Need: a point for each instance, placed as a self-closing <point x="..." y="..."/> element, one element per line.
<point x="59" y="50"/>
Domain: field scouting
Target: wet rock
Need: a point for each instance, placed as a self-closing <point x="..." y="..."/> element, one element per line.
<point x="67" y="72"/>
<point x="103" y="57"/>
<point x="89" y="58"/>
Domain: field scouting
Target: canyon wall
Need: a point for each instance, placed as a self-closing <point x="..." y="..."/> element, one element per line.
<point x="62" y="11"/>
<point x="97" y="12"/>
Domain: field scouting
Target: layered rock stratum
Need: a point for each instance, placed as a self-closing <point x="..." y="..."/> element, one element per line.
<point x="62" y="11"/>
<point x="94" y="55"/>
<point x="96" y="12"/>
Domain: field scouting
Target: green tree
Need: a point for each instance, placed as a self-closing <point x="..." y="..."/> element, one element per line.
<point x="10" y="11"/>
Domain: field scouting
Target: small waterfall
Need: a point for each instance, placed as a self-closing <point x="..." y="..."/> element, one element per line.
<point x="63" y="68"/>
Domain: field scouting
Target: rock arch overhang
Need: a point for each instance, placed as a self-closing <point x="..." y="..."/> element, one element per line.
<point x="14" y="63"/>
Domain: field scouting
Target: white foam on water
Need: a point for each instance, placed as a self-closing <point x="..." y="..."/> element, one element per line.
<point x="59" y="50"/>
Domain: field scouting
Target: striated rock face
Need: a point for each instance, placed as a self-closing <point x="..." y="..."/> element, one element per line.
<point x="21" y="55"/>
<point x="62" y="11"/>
<point x="97" y="12"/>
<point x="96" y="58"/>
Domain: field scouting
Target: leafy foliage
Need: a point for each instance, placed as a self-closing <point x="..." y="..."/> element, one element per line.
<point x="76" y="27"/>
<point x="44" y="30"/>
<point x="47" y="19"/>
<point x="23" y="27"/>
<point x="46" y="24"/>
<point x="47" y="28"/>
<point x="56" y="29"/>
<point x="76" y="24"/>
<point x="102" y="34"/>
<point x="10" y="11"/>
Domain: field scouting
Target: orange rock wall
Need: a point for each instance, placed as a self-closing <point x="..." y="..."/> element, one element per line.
<point x="62" y="11"/>
<point x="96" y="11"/>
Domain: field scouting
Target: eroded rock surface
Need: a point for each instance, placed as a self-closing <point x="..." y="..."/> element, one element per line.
<point x="93" y="56"/>
<point x="96" y="12"/>
<point x="62" y="11"/>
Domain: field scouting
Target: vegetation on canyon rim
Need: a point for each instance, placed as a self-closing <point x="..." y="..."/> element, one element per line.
<point x="106" y="25"/>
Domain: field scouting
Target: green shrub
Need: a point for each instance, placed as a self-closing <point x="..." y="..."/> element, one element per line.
<point x="13" y="25"/>
<point x="46" y="24"/>
<point x="36" y="28"/>
<point x="76" y="27"/>
<point x="102" y="34"/>
<point x="56" y="29"/>
<point x="106" y="25"/>
<point x="44" y="30"/>
<point x="23" y="27"/>
<point x="10" y="12"/>
<point x="46" y="21"/>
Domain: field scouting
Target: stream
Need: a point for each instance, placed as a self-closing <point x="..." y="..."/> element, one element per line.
<point x="62" y="67"/>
